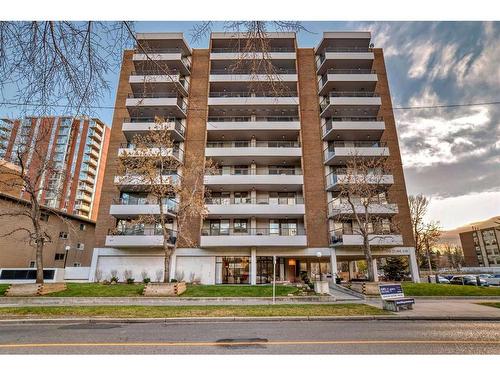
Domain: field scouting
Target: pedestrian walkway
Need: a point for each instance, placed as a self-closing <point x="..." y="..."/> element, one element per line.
<point x="341" y="295"/>
<point x="446" y="308"/>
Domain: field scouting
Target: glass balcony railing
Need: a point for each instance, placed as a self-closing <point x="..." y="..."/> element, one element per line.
<point x="247" y="94"/>
<point x="148" y="49"/>
<point x="176" y="152"/>
<point x="247" y="200"/>
<point x="139" y="230"/>
<point x="179" y="127"/>
<point x="249" y="118"/>
<point x="240" y="50"/>
<point x="385" y="230"/>
<point x="276" y="70"/>
<point x="229" y="231"/>
<point x="171" y="204"/>
<point x="244" y="144"/>
<point x="253" y="172"/>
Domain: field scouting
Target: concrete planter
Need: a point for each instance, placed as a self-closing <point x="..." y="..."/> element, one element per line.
<point x="366" y="288"/>
<point x="321" y="287"/>
<point x="164" y="289"/>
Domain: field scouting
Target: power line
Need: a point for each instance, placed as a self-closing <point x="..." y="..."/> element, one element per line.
<point x="203" y="109"/>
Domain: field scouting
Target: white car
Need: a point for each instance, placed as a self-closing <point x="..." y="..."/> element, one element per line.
<point x="493" y="280"/>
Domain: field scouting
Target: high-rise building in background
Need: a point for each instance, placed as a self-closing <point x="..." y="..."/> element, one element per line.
<point x="281" y="157"/>
<point x="77" y="149"/>
<point x="481" y="245"/>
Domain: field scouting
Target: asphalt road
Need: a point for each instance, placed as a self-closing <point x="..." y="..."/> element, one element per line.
<point x="259" y="337"/>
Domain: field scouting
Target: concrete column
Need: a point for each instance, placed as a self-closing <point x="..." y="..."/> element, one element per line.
<point x="351" y="269"/>
<point x="253" y="266"/>
<point x="333" y="263"/>
<point x="173" y="266"/>
<point x="281" y="269"/>
<point x="253" y="168"/>
<point x="253" y="196"/>
<point x="375" y="270"/>
<point x="415" y="276"/>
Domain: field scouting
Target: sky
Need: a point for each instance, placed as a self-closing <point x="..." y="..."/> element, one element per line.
<point x="451" y="155"/>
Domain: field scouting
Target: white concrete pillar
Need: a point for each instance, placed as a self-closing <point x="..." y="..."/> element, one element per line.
<point x="281" y="270"/>
<point x="173" y="266"/>
<point x="351" y="269"/>
<point x="415" y="276"/>
<point x="253" y="196"/>
<point x="253" y="266"/>
<point x="333" y="263"/>
<point x="375" y="270"/>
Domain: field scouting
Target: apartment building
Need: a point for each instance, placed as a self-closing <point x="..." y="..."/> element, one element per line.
<point x="77" y="148"/>
<point x="481" y="246"/>
<point x="280" y="154"/>
<point x="66" y="257"/>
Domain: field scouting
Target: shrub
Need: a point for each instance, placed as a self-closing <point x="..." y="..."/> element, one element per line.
<point x="173" y="280"/>
<point x="127" y="274"/>
<point x="113" y="279"/>
<point x="130" y="280"/>
<point x="144" y="275"/>
<point x="146" y="280"/>
<point x="114" y="276"/>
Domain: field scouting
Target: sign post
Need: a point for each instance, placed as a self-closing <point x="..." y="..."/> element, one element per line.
<point x="274" y="279"/>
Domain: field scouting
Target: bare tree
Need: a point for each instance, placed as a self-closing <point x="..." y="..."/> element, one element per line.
<point x="362" y="190"/>
<point x="429" y="238"/>
<point x="152" y="161"/>
<point x="26" y="178"/>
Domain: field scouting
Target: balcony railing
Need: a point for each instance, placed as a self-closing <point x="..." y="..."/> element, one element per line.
<point x="244" y="144"/>
<point x="353" y="94"/>
<point x="141" y="231"/>
<point x="239" y="231"/>
<point x="238" y="50"/>
<point x="328" y="125"/>
<point x="158" y="50"/>
<point x="249" y="118"/>
<point x="176" y="151"/>
<point x="158" y="72"/>
<point x="351" y="71"/>
<point x="336" y="234"/>
<point x="171" y="204"/>
<point x="177" y="124"/>
<point x="247" y="94"/>
<point x="248" y="200"/>
<point x="252" y="172"/>
<point x="276" y="70"/>
<point x="332" y="145"/>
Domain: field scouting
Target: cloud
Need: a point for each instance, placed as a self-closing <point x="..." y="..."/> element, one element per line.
<point x="420" y="56"/>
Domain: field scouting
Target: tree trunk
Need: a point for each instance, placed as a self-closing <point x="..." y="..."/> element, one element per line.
<point x="166" y="273"/>
<point x="39" y="262"/>
<point x="368" y="258"/>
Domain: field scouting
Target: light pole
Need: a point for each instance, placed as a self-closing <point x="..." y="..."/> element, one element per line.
<point x="318" y="254"/>
<point x="274" y="279"/>
<point x="67" y="248"/>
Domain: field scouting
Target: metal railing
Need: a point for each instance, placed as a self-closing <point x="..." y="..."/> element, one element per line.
<point x="228" y="231"/>
<point x="351" y="71"/>
<point x="375" y="144"/>
<point x="356" y="94"/>
<point x="138" y="230"/>
<point x="247" y="200"/>
<point x="178" y="126"/>
<point x="327" y="126"/>
<point x="253" y="172"/>
<point x="158" y="72"/>
<point x="143" y="95"/>
<point x="249" y="118"/>
<point x="158" y="50"/>
<point x="276" y="70"/>
<point x="247" y="94"/>
<point x="238" y="50"/>
<point x="176" y="152"/>
<point x="336" y="234"/>
<point x="243" y="144"/>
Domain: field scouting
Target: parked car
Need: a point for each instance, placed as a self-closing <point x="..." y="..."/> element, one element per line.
<point x="485" y="275"/>
<point x="468" y="280"/>
<point x="493" y="280"/>
<point x="443" y="280"/>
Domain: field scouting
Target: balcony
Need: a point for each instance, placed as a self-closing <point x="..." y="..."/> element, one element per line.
<point x="342" y="79"/>
<point x="81" y="206"/>
<point x="257" y="207"/>
<point x="338" y="152"/>
<point x="341" y="208"/>
<point x="243" y="99"/>
<point x="340" y="176"/>
<point x="238" y="237"/>
<point x="139" y="183"/>
<point x="339" y="238"/>
<point x="263" y="152"/>
<point x="90" y="160"/>
<point x="84" y="197"/>
<point x="137" y="236"/>
<point x="166" y="80"/>
<point x="345" y="101"/>
<point x="131" y="150"/>
<point x="229" y="75"/>
<point x="353" y="56"/>
<point x="273" y="53"/>
<point x="352" y="128"/>
<point x="86" y="188"/>
<point x="173" y="57"/>
<point x="133" y="126"/>
<point x="233" y="127"/>
<point x="128" y="207"/>
<point x="149" y="103"/>
<point x="247" y="179"/>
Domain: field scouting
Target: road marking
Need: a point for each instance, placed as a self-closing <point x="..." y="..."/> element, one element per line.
<point x="240" y="343"/>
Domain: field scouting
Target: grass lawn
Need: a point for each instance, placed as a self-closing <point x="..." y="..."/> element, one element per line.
<point x="99" y="290"/>
<point x="3" y="288"/>
<point x="135" y="290"/>
<point x="237" y="290"/>
<point x="490" y="304"/>
<point x="424" y="289"/>
<point x="191" y="311"/>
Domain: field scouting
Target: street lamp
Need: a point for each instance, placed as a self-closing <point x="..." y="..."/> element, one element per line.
<point x="67" y="248"/>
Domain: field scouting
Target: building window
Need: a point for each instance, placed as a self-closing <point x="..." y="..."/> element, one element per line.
<point x="76" y="264"/>
<point x="59" y="256"/>
<point x="82" y="226"/>
<point x="44" y="216"/>
<point x="240" y="225"/>
<point x="232" y="270"/>
<point x="32" y="264"/>
<point x="63" y="235"/>
<point x="80" y="246"/>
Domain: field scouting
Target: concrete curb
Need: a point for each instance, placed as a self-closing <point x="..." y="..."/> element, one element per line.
<point x="90" y="320"/>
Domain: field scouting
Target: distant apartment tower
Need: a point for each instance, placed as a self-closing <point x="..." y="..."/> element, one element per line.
<point x="481" y="247"/>
<point x="77" y="147"/>
<point x="281" y="156"/>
